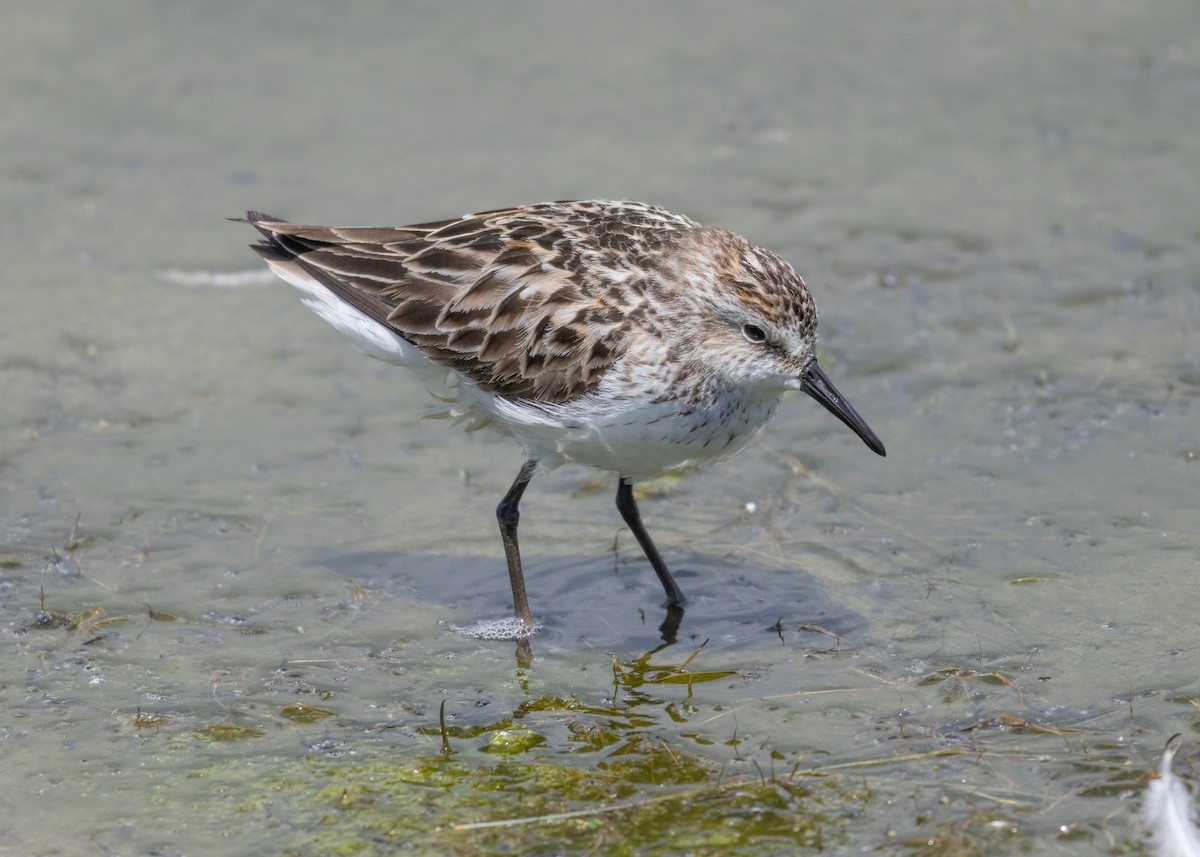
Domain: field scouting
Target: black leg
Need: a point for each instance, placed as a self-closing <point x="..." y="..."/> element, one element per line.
<point x="627" y="506"/>
<point x="509" y="515"/>
<point x="670" y="624"/>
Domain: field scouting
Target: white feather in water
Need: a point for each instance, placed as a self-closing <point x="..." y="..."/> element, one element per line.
<point x="1167" y="810"/>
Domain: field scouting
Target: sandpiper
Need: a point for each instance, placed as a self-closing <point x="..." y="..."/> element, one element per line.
<point x="612" y="334"/>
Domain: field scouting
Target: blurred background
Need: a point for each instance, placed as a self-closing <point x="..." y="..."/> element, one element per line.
<point x="233" y="557"/>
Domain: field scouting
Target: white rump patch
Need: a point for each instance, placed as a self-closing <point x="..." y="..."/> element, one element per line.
<point x="365" y="334"/>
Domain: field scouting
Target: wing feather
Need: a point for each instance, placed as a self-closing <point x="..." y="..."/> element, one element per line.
<point x="501" y="297"/>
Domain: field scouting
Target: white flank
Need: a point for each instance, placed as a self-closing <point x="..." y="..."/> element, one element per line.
<point x="1167" y="810"/>
<point x="367" y="335"/>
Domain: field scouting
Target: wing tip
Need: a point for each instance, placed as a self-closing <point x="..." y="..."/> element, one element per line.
<point x="272" y="247"/>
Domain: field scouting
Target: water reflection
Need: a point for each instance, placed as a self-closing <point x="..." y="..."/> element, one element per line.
<point x="605" y="601"/>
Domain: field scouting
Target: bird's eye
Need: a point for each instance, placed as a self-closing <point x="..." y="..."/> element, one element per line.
<point x="754" y="333"/>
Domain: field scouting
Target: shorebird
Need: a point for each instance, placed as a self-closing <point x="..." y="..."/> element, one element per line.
<point x="612" y="334"/>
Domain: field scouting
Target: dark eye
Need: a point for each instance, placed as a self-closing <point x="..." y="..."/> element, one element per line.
<point x="754" y="333"/>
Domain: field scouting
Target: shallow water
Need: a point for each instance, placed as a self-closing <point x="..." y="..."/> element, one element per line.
<point x="232" y="557"/>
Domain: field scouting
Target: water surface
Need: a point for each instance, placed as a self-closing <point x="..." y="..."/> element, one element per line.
<point x="232" y="556"/>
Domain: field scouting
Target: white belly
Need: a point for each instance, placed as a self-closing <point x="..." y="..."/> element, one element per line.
<point x="637" y="440"/>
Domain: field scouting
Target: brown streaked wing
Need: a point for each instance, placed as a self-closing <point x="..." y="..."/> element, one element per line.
<point x="486" y="296"/>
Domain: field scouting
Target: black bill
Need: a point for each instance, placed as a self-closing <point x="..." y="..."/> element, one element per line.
<point x="814" y="382"/>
